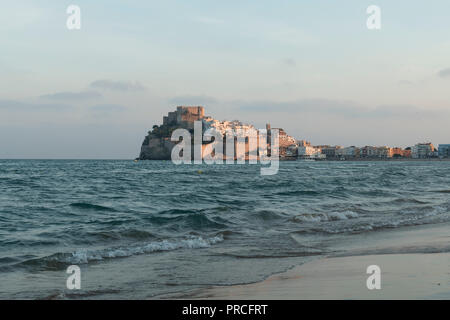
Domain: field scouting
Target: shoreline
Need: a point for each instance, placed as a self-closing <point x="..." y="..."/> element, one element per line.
<point x="414" y="265"/>
<point x="372" y="160"/>
<point x="403" y="276"/>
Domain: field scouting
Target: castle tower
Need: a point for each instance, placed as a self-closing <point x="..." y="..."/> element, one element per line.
<point x="187" y="115"/>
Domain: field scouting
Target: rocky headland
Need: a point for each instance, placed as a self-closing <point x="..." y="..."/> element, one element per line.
<point x="157" y="145"/>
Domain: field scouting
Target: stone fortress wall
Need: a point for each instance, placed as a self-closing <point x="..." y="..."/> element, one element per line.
<point x="184" y="116"/>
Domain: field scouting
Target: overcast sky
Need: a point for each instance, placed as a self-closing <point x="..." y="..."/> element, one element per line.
<point x="311" y="67"/>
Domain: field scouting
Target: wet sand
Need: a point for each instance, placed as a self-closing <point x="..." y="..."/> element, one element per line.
<point x="403" y="276"/>
<point x="414" y="263"/>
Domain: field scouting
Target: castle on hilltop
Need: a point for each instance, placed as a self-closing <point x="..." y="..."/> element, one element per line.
<point x="157" y="144"/>
<point x="184" y="116"/>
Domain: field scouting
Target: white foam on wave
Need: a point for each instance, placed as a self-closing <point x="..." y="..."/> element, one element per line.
<point x="437" y="215"/>
<point x="84" y="256"/>
<point x="321" y="217"/>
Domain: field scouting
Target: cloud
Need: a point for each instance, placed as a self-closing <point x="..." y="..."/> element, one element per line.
<point x="305" y="105"/>
<point x="347" y="109"/>
<point x="27" y="106"/>
<point x="407" y="111"/>
<point x="192" y="100"/>
<point x="84" y="95"/>
<point x="108" y="108"/>
<point x="444" y="73"/>
<point x="117" y="85"/>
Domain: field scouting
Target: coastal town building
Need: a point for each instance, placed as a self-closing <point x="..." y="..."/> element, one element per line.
<point x="329" y="151"/>
<point x="224" y="126"/>
<point x="285" y="139"/>
<point x="380" y="152"/>
<point x="423" y="150"/>
<point x="292" y="151"/>
<point x="444" y="151"/>
<point x="384" y="152"/>
<point x="369" y="152"/>
<point x="306" y="152"/>
<point x="401" y="153"/>
<point x="304" y="143"/>
<point x="407" y="152"/>
<point x="348" y="152"/>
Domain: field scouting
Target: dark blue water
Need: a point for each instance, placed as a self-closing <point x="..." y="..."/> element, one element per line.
<point x="145" y="229"/>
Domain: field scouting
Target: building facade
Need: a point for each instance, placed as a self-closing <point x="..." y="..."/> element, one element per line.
<point x="308" y="152"/>
<point x="444" y="150"/>
<point x="348" y="152"/>
<point x="423" y="150"/>
<point x="329" y="151"/>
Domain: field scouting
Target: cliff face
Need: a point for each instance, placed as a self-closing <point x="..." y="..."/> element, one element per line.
<point x="157" y="144"/>
<point x="156" y="148"/>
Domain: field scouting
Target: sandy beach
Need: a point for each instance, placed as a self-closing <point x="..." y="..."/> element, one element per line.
<point x="406" y="276"/>
<point x="414" y="263"/>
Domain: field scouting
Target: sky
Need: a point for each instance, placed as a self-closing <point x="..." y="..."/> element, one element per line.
<point x="310" y="67"/>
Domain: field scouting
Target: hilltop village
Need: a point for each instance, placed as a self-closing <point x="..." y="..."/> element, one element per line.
<point x="157" y="144"/>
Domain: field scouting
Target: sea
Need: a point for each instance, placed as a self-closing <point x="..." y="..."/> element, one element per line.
<point x="149" y="229"/>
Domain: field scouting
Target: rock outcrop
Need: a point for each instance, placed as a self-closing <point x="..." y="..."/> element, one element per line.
<point x="157" y="144"/>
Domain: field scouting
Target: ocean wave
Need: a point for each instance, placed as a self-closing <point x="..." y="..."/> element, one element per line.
<point x="66" y="295"/>
<point x="28" y="242"/>
<point x="437" y="215"/>
<point x="442" y="191"/>
<point x="306" y="252"/>
<point x="191" y="221"/>
<point x="267" y="215"/>
<point x="176" y="212"/>
<point x="406" y="201"/>
<point x="298" y="193"/>
<point x="121" y="234"/>
<point x="321" y="217"/>
<point x="59" y="261"/>
<point x="89" y="206"/>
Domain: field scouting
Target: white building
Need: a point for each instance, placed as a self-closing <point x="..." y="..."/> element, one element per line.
<point x="222" y="126"/>
<point x="348" y="152"/>
<point x="422" y="150"/>
<point x="309" y="152"/>
<point x="444" y="150"/>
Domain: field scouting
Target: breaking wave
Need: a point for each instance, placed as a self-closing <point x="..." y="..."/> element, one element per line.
<point x="83" y="256"/>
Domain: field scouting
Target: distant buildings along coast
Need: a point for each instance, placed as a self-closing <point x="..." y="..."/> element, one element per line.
<point x="418" y="151"/>
<point x="158" y="145"/>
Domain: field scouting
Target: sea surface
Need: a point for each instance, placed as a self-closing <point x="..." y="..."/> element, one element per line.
<point x="146" y="229"/>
